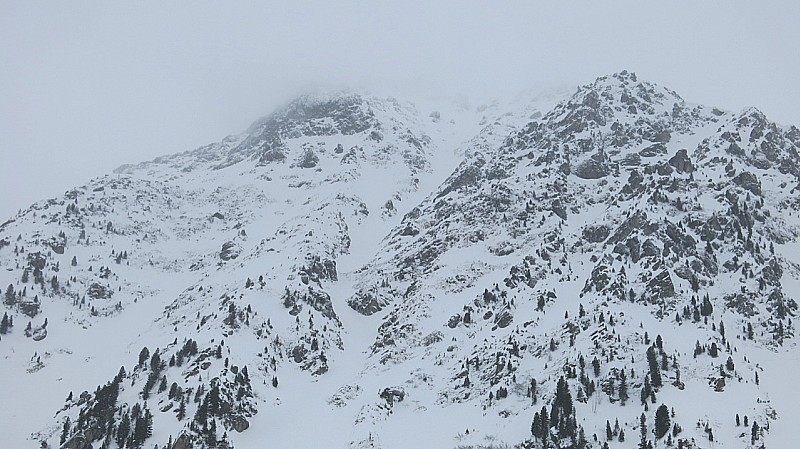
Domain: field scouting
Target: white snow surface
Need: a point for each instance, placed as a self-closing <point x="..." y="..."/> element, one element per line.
<point x="387" y="203"/>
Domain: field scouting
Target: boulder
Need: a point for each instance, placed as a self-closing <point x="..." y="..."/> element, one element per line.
<point x="749" y="182"/>
<point x="183" y="442"/>
<point x="681" y="162"/>
<point x="596" y="233"/>
<point x="661" y="286"/>
<point x="392" y="395"/>
<point x="240" y="424"/>
<point x="230" y="250"/>
<point x="591" y="169"/>
<point x="99" y="291"/>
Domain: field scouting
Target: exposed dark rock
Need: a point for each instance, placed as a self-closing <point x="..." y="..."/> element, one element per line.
<point x="375" y="135"/>
<point x="649" y="248"/>
<point x="596" y="233"/>
<point x="503" y="318"/>
<point x="367" y="302"/>
<point x="599" y="279"/>
<point x="317" y="299"/>
<point x="409" y="231"/>
<point x="317" y="269"/>
<point x="308" y="159"/>
<point x="631" y="160"/>
<point x="30" y="308"/>
<point x="240" y="424"/>
<point x="57" y="245"/>
<point x="99" y="291"/>
<point x="36" y="260"/>
<point x="635" y="179"/>
<point x="527" y="273"/>
<point x="299" y="353"/>
<point x="656" y="149"/>
<point x="635" y="222"/>
<point x="681" y="162"/>
<point x="634" y="250"/>
<point x="772" y="272"/>
<point x="183" y="442"/>
<point x="272" y="154"/>
<point x="77" y="442"/>
<point x="591" y="169"/>
<point x="392" y="395"/>
<point x="454" y="321"/>
<point x="230" y="251"/>
<point x="663" y="169"/>
<point x="681" y="241"/>
<point x="467" y="174"/>
<point x="660" y="287"/>
<point x="743" y="303"/>
<point x="433" y="337"/>
<point x="558" y="209"/>
<point x="748" y="181"/>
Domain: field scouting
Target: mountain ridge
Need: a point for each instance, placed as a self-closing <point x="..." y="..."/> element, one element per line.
<point x="382" y="268"/>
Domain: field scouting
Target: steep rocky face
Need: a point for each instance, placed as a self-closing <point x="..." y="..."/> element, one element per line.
<point x="615" y="251"/>
<point x="617" y="190"/>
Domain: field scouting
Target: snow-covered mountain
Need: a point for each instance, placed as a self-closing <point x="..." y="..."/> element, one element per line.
<point x="360" y="272"/>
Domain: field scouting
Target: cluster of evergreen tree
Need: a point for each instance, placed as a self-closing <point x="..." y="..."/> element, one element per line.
<point x="696" y="312"/>
<point x="102" y="419"/>
<point x="225" y="403"/>
<point x="6" y="324"/>
<point x="134" y="427"/>
<point x="558" y="427"/>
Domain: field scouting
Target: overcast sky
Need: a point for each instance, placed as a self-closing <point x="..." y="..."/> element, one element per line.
<point x="87" y="86"/>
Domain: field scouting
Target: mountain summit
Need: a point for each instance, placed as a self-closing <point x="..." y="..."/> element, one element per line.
<point x="617" y="267"/>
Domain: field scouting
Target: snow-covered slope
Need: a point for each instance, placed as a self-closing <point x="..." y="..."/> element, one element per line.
<point x="525" y="273"/>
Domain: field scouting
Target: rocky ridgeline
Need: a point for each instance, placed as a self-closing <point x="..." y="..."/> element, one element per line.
<point x="665" y="202"/>
<point x="562" y="266"/>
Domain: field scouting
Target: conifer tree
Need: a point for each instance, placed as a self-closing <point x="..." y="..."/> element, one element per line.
<point x="64" y="432"/>
<point x="643" y="432"/>
<point x="144" y="354"/>
<point x="655" y="374"/>
<point x="11" y="297"/>
<point x="181" y="410"/>
<point x="706" y="308"/>
<point x="4" y="324"/>
<point x="662" y="421"/>
<point x="155" y="361"/>
<point x="623" y="387"/>
<point x="754" y="432"/>
<point x="123" y="429"/>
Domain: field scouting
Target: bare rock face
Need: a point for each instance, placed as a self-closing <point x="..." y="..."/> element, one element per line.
<point x="749" y="182"/>
<point x="230" y="251"/>
<point x="656" y="149"/>
<point x="591" y="169"/>
<point x="183" y="442"/>
<point x="596" y="234"/>
<point x="309" y="159"/>
<point x="661" y="286"/>
<point x="681" y="162"/>
<point x="240" y="424"/>
<point x="392" y="395"/>
<point x="367" y="302"/>
<point x="77" y="442"/>
<point x="99" y="291"/>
